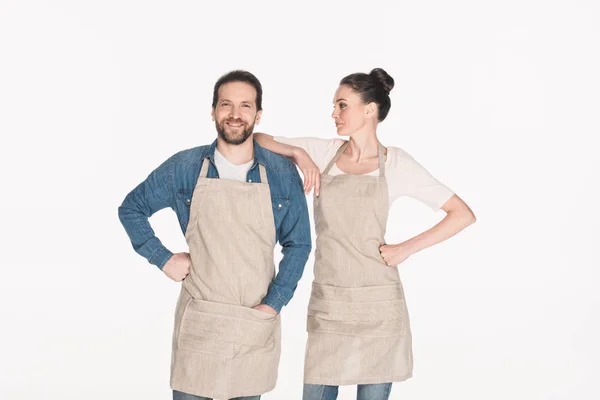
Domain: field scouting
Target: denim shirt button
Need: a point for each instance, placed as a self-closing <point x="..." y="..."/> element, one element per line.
<point x="279" y="205"/>
<point x="249" y="180"/>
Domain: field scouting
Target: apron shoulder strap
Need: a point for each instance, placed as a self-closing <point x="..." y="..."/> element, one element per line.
<point x="338" y="154"/>
<point x="381" y="161"/>
<point x="263" y="174"/>
<point x="204" y="169"/>
<point x="341" y="150"/>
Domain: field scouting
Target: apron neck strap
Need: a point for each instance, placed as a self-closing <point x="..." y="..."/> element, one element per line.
<point x="261" y="168"/>
<point x="336" y="157"/>
<point x="381" y="161"/>
<point x="263" y="174"/>
<point x="204" y="169"/>
<point x="381" y="157"/>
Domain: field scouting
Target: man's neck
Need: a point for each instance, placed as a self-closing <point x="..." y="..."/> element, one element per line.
<point x="237" y="153"/>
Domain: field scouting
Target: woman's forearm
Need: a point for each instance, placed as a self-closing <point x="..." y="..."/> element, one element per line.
<point x="458" y="217"/>
<point x="298" y="156"/>
<point x="269" y="143"/>
<point x="454" y="222"/>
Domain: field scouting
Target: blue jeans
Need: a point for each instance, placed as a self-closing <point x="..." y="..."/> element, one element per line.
<point x="184" y="396"/>
<point x="379" y="391"/>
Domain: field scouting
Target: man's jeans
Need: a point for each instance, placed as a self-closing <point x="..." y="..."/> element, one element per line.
<point x="379" y="391"/>
<point x="184" y="396"/>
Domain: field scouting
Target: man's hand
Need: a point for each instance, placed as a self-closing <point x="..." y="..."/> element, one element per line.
<point x="265" y="308"/>
<point x="178" y="266"/>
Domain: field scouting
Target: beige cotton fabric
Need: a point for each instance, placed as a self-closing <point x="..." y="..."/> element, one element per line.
<point x="358" y="326"/>
<point x="222" y="348"/>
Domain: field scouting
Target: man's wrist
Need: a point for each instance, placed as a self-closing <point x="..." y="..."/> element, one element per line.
<point x="160" y="257"/>
<point x="275" y="304"/>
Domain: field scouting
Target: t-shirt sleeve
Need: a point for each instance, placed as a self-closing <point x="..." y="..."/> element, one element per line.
<point x="320" y="150"/>
<point x="406" y="177"/>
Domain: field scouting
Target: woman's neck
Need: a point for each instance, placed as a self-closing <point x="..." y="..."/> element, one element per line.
<point x="363" y="147"/>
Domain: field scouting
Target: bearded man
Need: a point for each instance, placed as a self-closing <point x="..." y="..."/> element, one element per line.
<point x="234" y="201"/>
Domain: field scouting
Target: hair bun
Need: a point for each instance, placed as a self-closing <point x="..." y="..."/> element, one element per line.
<point x="384" y="78"/>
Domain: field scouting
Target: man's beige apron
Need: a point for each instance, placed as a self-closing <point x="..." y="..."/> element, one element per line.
<point x="222" y="348"/>
<point x="358" y="327"/>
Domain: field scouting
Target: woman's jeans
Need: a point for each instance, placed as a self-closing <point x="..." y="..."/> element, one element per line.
<point x="379" y="391"/>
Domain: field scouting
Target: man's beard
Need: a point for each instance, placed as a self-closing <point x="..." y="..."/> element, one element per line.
<point x="231" y="139"/>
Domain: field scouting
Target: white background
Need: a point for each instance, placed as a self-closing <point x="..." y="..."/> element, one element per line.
<point x="497" y="99"/>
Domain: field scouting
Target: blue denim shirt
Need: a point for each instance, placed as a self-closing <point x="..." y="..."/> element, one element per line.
<point x="172" y="185"/>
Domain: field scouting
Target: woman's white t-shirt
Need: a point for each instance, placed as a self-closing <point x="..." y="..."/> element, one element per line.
<point x="404" y="175"/>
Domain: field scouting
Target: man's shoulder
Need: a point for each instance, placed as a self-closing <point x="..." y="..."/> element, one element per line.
<point x="193" y="156"/>
<point x="276" y="162"/>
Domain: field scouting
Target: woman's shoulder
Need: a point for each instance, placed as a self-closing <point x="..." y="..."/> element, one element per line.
<point x="311" y="141"/>
<point x="327" y="148"/>
<point x="397" y="156"/>
<point x="335" y="143"/>
<point x="323" y="147"/>
<point x="326" y="143"/>
<point x="320" y="150"/>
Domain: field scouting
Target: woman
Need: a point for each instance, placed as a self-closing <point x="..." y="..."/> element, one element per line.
<point x="358" y="327"/>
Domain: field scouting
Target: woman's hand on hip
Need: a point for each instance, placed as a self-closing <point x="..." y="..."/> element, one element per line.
<point x="394" y="254"/>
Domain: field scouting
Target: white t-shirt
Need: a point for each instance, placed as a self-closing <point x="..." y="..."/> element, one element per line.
<point x="404" y="175"/>
<point x="227" y="170"/>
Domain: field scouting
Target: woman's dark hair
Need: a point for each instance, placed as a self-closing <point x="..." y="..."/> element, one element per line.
<point x="239" y="75"/>
<point x="372" y="87"/>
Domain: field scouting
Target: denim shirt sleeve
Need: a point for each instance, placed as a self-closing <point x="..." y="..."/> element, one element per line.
<point x="150" y="196"/>
<point x="294" y="237"/>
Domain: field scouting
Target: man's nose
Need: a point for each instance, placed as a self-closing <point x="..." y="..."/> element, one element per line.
<point x="235" y="112"/>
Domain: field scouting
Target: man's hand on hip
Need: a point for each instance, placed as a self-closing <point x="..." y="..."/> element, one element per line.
<point x="178" y="266"/>
<point x="265" y="308"/>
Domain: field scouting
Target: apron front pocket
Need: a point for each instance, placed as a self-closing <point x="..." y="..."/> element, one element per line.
<point x="364" y="311"/>
<point x="226" y="329"/>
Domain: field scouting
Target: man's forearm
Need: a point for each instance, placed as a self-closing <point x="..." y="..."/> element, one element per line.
<point x="282" y="288"/>
<point x="153" y="194"/>
<point x="142" y="236"/>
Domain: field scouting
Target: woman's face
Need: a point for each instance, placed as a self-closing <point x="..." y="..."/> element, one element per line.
<point x="349" y="112"/>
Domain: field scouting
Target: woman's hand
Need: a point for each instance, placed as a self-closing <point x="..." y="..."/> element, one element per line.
<point x="312" y="174"/>
<point x="394" y="254"/>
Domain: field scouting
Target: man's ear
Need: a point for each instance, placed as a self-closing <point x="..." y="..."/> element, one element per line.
<point x="257" y="119"/>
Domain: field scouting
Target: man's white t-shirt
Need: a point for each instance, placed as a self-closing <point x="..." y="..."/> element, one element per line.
<point x="228" y="170"/>
<point x="404" y="175"/>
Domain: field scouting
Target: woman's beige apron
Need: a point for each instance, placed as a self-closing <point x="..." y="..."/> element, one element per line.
<point x="358" y="327"/>
<point x="222" y="348"/>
